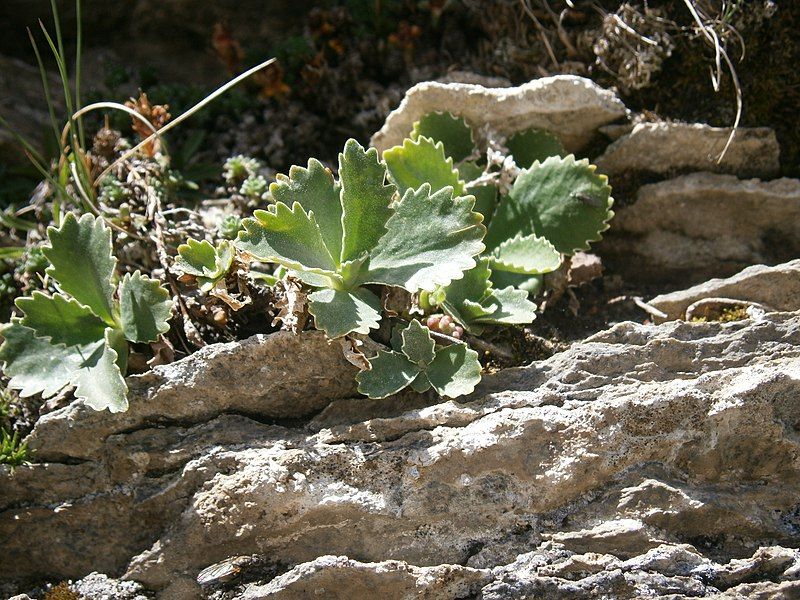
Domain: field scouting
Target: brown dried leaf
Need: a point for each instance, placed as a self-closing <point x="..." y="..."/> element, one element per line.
<point x="292" y="305"/>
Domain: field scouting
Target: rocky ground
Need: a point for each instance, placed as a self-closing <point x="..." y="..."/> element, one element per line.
<point x="643" y="461"/>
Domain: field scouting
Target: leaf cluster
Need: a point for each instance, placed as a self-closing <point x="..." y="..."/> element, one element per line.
<point x="79" y="335"/>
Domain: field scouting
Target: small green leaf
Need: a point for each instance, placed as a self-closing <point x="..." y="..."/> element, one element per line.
<point x="418" y="345"/>
<point x="289" y="237"/>
<point x="338" y="312"/>
<point x="561" y="199"/>
<point x="99" y="382"/>
<point x="421" y="161"/>
<point x="34" y="365"/>
<point x="513" y="308"/>
<point x="390" y="373"/>
<point x="530" y="255"/>
<point x="430" y="240"/>
<point x="197" y="258"/>
<point x="64" y="320"/>
<point x="421" y="383"/>
<point x="315" y="190"/>
<point x="82" y="264"/>
<point x="145" y="308"/>
<point x="453" y="132"/>
<point x="365" y="199"/>
<point x="12" y="252"/>
<point x="533" y="144"/>
<point x="455" y="371"/>
<point x="464" y="297"/>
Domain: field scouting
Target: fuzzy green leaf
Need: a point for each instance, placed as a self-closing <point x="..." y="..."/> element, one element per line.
<point x="289" y="237"/>
<point x="530" y="255"/>
<point x="338" y="312"/>
<point x="145" y="308"/>
<point x="463" y="297"/>
<point x="455" y="371"/>
<point x="197" y="258"/>
<point x="561" y="199"/>
<point x="99" y="382"/>
<point x="421" y="161"/>
<point x="390" y="373"/>
<point x="82" y="264"/>
<point x="533" y="144"/>
<point x="418" y="345"/>
<point x="365" y="199"/>
<point x="63" y="320"/>
<point x="430" y="240"/>
<point x="421" y="383"/>
<point x="454" y="133"/>
<point x="34" y="365"/>
<point x="315" y="190"/>
<point x="513" y="308"/>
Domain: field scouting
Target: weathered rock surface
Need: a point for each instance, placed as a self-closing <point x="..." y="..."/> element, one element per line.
<point x="704" y="225"/>
<point x="776" y="287"/>
<point x="640" y="438"/>
<point x="572" y="107"/>
<point x="668" y="147"/>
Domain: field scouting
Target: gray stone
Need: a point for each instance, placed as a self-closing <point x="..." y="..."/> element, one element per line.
<point x="777" y="287"/>
<point x="571" y="107"/>
<point x="640" y="437"/>
<point x="703" y="225"/>
<point x="669" y="147"/>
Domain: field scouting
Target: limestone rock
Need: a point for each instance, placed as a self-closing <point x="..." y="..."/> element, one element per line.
<point x="669" y="147"/>
<point x="570" y="106"/>
<point x="640" y="437"/>
<point x="704" y="225"/>
<point x="777" y="287"/>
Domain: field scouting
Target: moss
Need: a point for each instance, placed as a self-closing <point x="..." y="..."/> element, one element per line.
<point x="727" y="315"/>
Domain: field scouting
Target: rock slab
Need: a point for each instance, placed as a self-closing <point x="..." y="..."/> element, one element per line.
<point x="569" y="106"/>
<point x="643" y="436"/>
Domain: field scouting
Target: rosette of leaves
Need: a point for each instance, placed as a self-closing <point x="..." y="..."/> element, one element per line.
<point x="79" y="336"/>
<point x="340" y="236"/>
<point x="207" y="264"/>
<point x="556" y="205"/>
<point x="415" y="361"/>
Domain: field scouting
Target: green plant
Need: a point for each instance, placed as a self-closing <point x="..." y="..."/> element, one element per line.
<point x="340" y="236"/>
<point x="12" y="452"/>
<point x="79" y="336"/>
<point x="229" y="227"/>
<point x="207" y="264"/>
<point x="538" y="205"/>
<point x="452" y="371"/>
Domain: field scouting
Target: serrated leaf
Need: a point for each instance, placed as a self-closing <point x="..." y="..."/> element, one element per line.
<point x="418" y="345"/>
<point x="289" y="237"/>
<point x="485" y="195"/>
<point x="197" y="258"/>
<point x="365" y="200"/>
<point x="64" y="320"/>
<point x="454" y="133"/>
<point x="513" y="308"/>
<point x="430" y="240"/>
<point x="339" y="312"/>
<point x="390" y="373"/>
<point x="81" y="262"/>
<point x="145" y="308"/>
<point x="533" y="144"/>
<point x="421" y="161"/>
<point x="561" y="199"/>
<point x="455" y="371"/>
<point x="99" y="382"/>
<point x="528" y="254"/>
<point x="314" y="188"/>
<point x="34" y="365"/>
<point x="463" y="296"/>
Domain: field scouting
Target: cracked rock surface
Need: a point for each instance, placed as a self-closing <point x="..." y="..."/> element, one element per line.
<point x="645" y="461"/>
